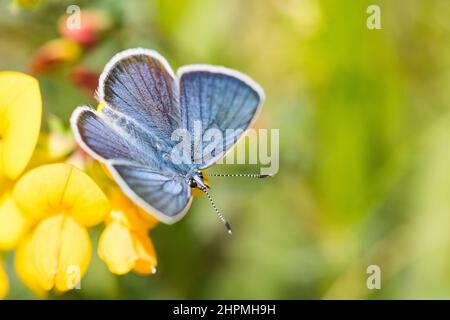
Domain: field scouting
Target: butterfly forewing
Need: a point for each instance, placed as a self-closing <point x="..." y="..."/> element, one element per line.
<point x="140" y="84"/>
<point x="216" y="98"/>
<point x="109" y="135"/>
<point x="98" y="138"/>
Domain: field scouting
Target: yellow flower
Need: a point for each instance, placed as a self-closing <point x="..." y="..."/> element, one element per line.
<point x="20" y="120"/>
<point x="56" y="254"/>
<point x="4" y="283"/>
<point x="26" y="270"/>
<point x="13" y="224"/>
<point x="124" y="244"/>
<point x="62" y="201"/>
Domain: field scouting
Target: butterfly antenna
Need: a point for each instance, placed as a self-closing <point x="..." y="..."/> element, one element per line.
<point x="219" y="214"/>
<point x="248" y="175"/>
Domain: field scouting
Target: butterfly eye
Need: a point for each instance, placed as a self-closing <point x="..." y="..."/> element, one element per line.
<point x="192" y="183"/>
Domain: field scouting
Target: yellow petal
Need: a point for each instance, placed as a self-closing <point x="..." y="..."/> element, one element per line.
<point x="146" y="219"/>
<point x="25" y="267"/>
<point x="52" y="148"/>
<point x="116" y="248"/>
<point x="100" y="106"/>
<point x="106" y="171"/>
<point x="61" y="252"/>
<point x="20" y="121"/>
<point x="61" y="188"/>
<point x="197" y="192"/>
<point x="12" y="223"/>
<point x="124" y="250"/>
<point x="146" y="262"/>
<point x="4" y="283"/>
<point x="133" y="216"/>
<point x="74" y="255"/>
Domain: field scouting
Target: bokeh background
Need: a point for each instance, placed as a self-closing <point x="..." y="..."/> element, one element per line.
<point x="364" y="119"/>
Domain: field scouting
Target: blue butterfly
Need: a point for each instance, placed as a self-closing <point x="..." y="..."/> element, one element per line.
<point x="144" y="103"/>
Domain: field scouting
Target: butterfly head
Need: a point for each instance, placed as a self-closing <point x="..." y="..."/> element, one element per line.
<point x="196" y="180"/>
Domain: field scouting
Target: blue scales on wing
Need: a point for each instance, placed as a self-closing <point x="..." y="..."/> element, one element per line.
<point x="131" y="133"/>
<point x="144" y="103"/>
<point x="142" y="86"/>
<point x="217" y="98"/>
<point x="109" y="135"/>
<point x="167" y="196"/>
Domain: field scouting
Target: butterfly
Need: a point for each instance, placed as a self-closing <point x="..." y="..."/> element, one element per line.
<point x="144" y="102"/>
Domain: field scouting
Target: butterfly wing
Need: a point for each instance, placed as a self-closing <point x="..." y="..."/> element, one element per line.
<point x="167" y="197"/>
<point x="218" y="98"/>
<point x="97" y="138"/>
<point x="140" y="84"/>
<point x="134" y="162"/>
<point x="131" y="133"/>
<point x="108" y="135"/>
<point x="143" y="104"/>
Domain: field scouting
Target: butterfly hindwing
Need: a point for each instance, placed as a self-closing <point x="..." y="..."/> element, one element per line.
<point x="168" y="197"/>
<point x="134" y="161"/>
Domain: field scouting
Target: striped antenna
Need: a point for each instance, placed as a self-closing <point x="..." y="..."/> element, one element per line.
<point x="219" y="214"/>
<point x="248" y="175"/>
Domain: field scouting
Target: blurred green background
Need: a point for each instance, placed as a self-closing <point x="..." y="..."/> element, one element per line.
<point x="364" y="119"/>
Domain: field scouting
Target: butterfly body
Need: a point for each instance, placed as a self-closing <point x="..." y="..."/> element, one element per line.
<point x="145" y="103"/>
